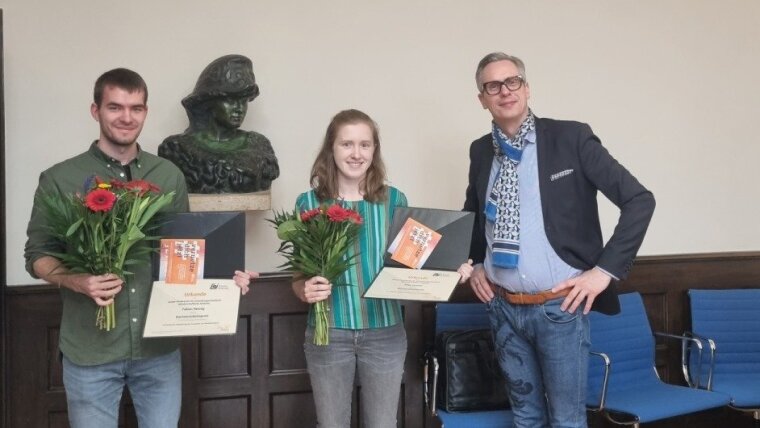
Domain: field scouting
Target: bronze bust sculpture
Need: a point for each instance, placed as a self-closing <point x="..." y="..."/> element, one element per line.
<point x="214" y="155"/>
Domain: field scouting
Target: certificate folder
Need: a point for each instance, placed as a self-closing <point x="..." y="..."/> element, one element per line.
<point x="224" y="232"/>
<point x="437" y="278"/>
<point x="210" y="306"/>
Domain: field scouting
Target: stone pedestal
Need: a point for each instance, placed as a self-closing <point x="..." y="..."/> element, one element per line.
<point x="257" y="201"/>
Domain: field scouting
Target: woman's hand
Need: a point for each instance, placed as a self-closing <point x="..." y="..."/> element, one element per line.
<point x="243" y="279"/>
<point x="312" y="290"/>
<point x="465" y="270"/>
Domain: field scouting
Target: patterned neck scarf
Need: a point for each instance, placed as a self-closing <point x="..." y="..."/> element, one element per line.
<point x="503" y="204"/>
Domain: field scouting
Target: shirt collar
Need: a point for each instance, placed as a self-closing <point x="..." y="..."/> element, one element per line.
<point x="111" y="162"/>
<point x="530" y="137"/>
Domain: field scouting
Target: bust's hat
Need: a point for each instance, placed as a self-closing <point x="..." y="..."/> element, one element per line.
<point x="230" y="75"/>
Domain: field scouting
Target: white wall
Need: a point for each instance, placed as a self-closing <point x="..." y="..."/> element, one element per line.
<point x="669" y="86"/>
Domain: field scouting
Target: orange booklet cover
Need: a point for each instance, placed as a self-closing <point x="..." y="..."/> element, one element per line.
<point x="413" y="244"/>
<point x="182" y="260"/>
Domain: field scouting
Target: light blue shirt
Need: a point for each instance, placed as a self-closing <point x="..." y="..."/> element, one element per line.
<point x="539" y="268"/>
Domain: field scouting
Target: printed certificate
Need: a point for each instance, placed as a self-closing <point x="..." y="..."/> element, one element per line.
<point x="210" y="307"/>
<point x="427" y="246"/>
<point x="413" y="284"/>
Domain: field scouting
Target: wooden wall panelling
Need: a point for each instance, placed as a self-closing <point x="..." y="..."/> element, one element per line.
<point x="36" y="397"/>
<point x="663" y="282"/>
<point x="3" y="318"/>
<point x="277" y="392"/>
<point x="257" y="378"/>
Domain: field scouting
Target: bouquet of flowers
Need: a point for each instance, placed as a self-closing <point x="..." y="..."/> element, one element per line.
<point x="316" y="243"/>
<point x="100" y="228"/>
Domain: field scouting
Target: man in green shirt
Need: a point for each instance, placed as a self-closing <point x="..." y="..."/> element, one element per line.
<point x="97" y="364"/>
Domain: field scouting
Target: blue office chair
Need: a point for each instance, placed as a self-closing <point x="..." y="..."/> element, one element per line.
<point x="622" y="381"/>
<point x="728" y="323"/>
<point x="451" y="317"/>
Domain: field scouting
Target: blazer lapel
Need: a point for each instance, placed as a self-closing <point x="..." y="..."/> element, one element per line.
<point x="542" y="147"/>
<point x="483" y="176"/>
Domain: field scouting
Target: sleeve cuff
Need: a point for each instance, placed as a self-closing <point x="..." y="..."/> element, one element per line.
<point x="608" y="274"/>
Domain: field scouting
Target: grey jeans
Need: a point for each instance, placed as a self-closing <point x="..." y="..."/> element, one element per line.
<point x="375" y="357"/>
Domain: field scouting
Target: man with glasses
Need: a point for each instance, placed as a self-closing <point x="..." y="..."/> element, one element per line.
<point x="540" y="262"/>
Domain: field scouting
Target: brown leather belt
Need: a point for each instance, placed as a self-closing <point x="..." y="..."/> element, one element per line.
<point x="528" y="299"/>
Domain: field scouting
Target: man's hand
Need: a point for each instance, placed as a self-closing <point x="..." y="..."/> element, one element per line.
<point x="480" y="284"/>
<point x="101" y="288"/>
<point x="586" y="286"/>
<point x="313" y="289"/>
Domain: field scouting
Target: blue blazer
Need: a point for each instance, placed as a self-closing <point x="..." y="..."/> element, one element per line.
<point x="572" y="167"/>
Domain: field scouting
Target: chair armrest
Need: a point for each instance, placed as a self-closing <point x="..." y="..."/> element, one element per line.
<point x="607" y="363"/>
<point x="711" y="345"/>
<point x="685" y="340"/>
<point x="430" y="364"/>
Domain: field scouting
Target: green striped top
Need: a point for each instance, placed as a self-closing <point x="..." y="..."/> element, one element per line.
<point x="348" y="309"/>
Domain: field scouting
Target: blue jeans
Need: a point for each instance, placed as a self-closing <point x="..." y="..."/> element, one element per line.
<point x="543" y="353"/>
<point x="376" y="356"/>
<point x="93" y="393"/>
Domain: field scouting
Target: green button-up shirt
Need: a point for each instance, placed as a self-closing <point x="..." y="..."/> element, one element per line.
<point x="80" y="340"/>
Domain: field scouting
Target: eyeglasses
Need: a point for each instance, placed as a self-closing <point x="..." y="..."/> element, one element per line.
<point x="512" y="83"/>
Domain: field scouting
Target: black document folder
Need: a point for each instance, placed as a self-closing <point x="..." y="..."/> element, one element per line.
<point x="212" y="308"/>
<point x="224" y="232"/>
<point x="437" y="278"/>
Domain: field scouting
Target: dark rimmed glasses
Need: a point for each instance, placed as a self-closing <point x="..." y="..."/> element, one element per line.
<point x="512" y="83"/>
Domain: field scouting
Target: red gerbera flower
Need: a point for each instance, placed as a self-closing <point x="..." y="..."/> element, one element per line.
<point x="100" y="200"/>
<point x="141" y="187"/>
<point x="308" y="215"/>
<point x="117" y="184"/>
<point x="337" y="213"/>
<point x="355" y="217"/>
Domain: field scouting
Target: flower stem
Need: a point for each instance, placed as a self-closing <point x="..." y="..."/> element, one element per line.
<point x="111" y="310"/>
<point x="321" y="332"/>
<point x="106" y="317"/>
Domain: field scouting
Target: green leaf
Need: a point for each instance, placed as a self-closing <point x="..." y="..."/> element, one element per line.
<point x="134" y="234"/>
<point x="287" y="229"/>
<point x="74" y="227"/>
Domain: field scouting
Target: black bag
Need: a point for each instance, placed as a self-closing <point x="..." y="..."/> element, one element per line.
<point x="469" y="374"/>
